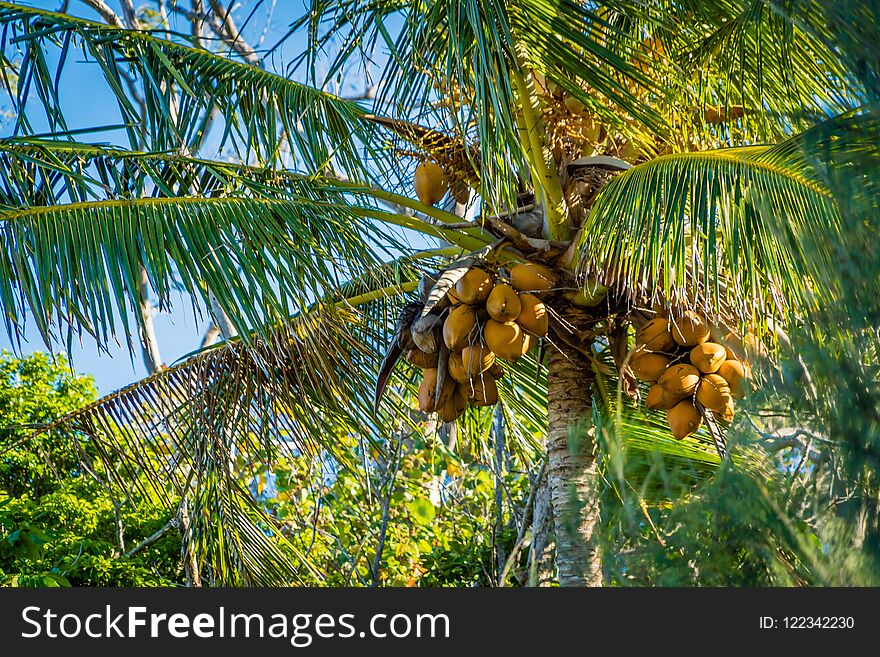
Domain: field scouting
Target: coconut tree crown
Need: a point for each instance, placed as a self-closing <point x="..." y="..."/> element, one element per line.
<point x="599" y="177"/>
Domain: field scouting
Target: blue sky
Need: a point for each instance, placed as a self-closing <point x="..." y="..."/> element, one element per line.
<point x="88" y="103"/>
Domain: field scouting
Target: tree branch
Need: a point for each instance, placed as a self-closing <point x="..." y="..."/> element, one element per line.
<point x="224" y="26"/>
<point x="105" y="12"/>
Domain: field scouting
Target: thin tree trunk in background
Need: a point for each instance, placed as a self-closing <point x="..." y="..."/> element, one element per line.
<point x="498" y="435"/>
<point x="221" y="319"/>
<point x="149" y="343"/>
<point x="541" y="561"/>
<point x="190" y="567"/>
<point x="572" y="471"/>
<point x="211" y="336"/>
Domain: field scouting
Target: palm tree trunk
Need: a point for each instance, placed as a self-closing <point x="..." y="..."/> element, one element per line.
<point x="572" y="473"/>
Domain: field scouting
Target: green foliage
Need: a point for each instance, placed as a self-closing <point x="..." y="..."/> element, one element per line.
<point x="440" y="517"/>
<point x="58" y="524"/>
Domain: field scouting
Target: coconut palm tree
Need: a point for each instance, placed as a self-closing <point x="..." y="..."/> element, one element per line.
<point x="649" y="155"/>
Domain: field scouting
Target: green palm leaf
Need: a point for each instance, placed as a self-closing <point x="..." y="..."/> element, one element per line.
<point x="259" y="109"/>
<point x="478" y="45"/>
<point x="698" y="224"/>
<point x="264" y="242"/>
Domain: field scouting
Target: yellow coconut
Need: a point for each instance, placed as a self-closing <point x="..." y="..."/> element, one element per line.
<point x="690" y="329"/>
<point x="707" y="357"/>
<point x="680" y="379"/>
<point x="533" y="316"/>
<point x="445" y="393"/>
<point x="503" y="304"/>
<point x="727" y="413"/>
<point x="529" y="276"/>
<point x="474" y="287"/>
<point x="684" y="419"/>
<point x="574" y="106"/>
<point x="655" y="335"/>
<point x="460" y="395"/>
<point x="713" y="392"/>
<point x="659" y="399"/>
<point x="648" y="366"/>
<point x="482" y="391"/>
<point x="508" y="341"/>
<point x="453" y="406"/>
<point x="459" y="327"/>
<point x="452" y="296"/>
<point x="455" y="367"/>
<point x="430" y="183"/>
<point x="477" y="359"/>
<point x="731" y="342"/>
<point x="496" y="372"/>
<point x="427" y="389"/>
<point x="421" y="358"/>
<point x="736" y="374"/>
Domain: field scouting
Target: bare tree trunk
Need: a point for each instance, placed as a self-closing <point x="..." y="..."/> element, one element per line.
<point x="149" y="343"/>
<point x="498" y="435"/>
<point x="542" y="547"/>
<point x="190" y="566"/>
<point x="221" y="319"/>
<point x="572" y="469"/>
<point x="211" y="336"/>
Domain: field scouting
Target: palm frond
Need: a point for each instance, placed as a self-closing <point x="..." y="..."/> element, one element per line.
<point x="473" y="47"/>
<point x="699" y="225"/>
<point x="261" y="111"/>
<point x="79" y="220"/>
<point x="774" y="57"/>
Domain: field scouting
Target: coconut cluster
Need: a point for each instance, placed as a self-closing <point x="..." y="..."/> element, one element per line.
<point x="689" y="372"/>
<point x="491" y="317"/>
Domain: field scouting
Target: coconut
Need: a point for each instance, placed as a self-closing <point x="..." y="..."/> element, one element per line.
<point x="707" y="357"/>
<point x="727" y="412"/>
<point x="477" y="359"/>
<point x="648" y="366"/>
<point x="680" y="379"/>
<point x="452" y="296"/>
<point x="590" y="295"/>
<point x="495" y="371"/>
<point x="474" y="287"/>
<point x="452" y="407"/>
<point x="421" y="358"/>
<point x="736" y="374"/>
<point x="655" y="335"/>
<point x="503" y="303"/>
<point x="458" y="329"/>
<point x="482" y="391"/>
<point x="445" y="392"/>
<point x="731" y="342"/>
<point x="690" y="329"/>
<point x="530" y="276"/>
<point x="508" y="341"/>
<point x="533" y="316"/>
<point x="430" y="183"/>
<point x="427" y="389"/>
<point x="455" y="367"/>
<point x="713" y="392"/>
<point x="574" y="105"/>
<point x="660" y="399"/>
<point x="684" y="419"/>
